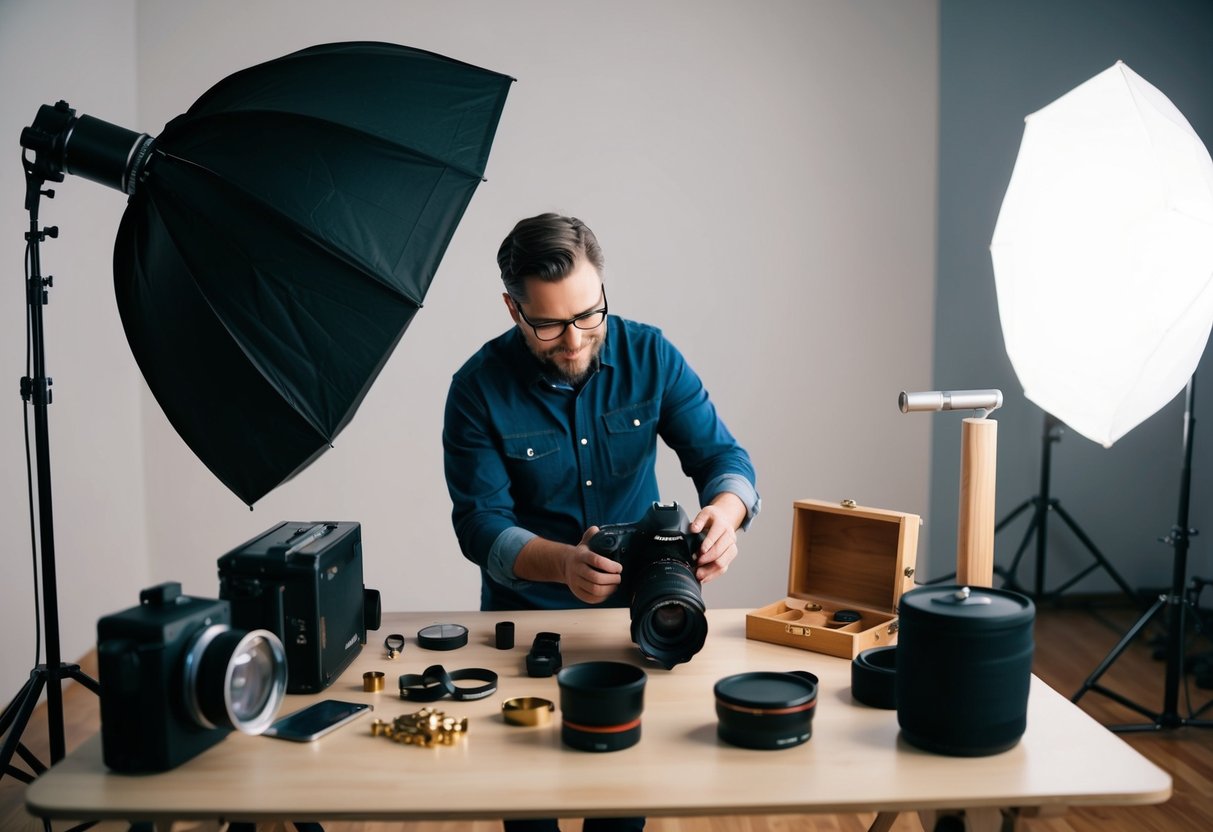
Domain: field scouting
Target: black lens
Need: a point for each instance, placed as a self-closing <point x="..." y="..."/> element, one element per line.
<point x="668" y="622"/>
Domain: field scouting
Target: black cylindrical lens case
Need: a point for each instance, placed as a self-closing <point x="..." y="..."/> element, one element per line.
<point x="505" y="635"/>
<point x="766" y="710"/>
<point x="964" y="666"/>
<point x="600" y="704"/>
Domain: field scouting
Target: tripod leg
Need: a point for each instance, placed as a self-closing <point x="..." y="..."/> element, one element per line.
<point x="31" y="692"/>
<point x="73" y="671"/>
<point x="1020" y="509"/>
<point x="1009" y="577"/>
<point x="1126" y="639"/>
<point x="10" y="711"/>
<point x="1098" y="555"/>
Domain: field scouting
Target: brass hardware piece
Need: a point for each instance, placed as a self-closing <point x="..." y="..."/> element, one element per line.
<point x="909" y="571"/>
<point x="848" y="504"/>
<point x="527" y="710"/>
<point x="798" y="630"/>
<point x="893" y="628"/>
<point x="427" y="727"/>
<point x="372" y="681"/>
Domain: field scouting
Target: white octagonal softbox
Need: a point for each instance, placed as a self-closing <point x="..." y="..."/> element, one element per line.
<point x="1103" y="255"/>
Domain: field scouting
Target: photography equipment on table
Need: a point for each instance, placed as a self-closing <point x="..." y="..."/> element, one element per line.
<point x="529" y="711"/>
<point x="373" y="681"/>
<point x="1101" y="258"/>
<point x="601" y="704"/>
<point x="442" y="637"/>
<point x="394" y="644"/>
<point x="176" y="678"/>
<point x="437" y="682"/>
<point x="658" y="554"/>
<point x="316" y="720"/>
<point x="874" y="677"/>
<point x="964" y="666"/>
<point x="766" y="710"/>
<point x="427" y="728"/>
<point x="503" y="635"/>
<point x="845" y="558"/>
<point x="544" y="658"/>
<point x="219" y="229"/>
<point x="303" y="582"/>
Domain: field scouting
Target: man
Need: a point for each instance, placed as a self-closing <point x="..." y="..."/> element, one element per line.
<point x="551" y="430"/>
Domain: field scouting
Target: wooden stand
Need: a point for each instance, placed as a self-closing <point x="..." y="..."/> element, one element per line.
<point x="975" y="525"/>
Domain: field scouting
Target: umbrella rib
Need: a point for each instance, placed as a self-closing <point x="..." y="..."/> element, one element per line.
<point x="372" y="137"/>
<point x="301" y="230"/>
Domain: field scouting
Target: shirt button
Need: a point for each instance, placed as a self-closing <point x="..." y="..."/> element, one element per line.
<point x="530" y="451"/>
<point x="585" y="441"/>
<point x="636" y="423"/>
<point x="588" y="483"/>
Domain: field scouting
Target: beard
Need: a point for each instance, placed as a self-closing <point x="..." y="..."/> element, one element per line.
<point x="573" y="375"/>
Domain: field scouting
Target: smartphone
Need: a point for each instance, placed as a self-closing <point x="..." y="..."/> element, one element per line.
<point x="316" y="720"/>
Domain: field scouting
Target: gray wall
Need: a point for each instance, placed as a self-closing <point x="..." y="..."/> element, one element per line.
<point x="1000" y="61"/>
<point x="761" y="175"/>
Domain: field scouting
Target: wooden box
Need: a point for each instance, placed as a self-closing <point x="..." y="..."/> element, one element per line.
<point x="844" y="557"/>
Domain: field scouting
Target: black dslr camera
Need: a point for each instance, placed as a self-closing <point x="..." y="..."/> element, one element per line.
<point x="658" y="553"/>
<point x="303" y="582"/>
<point x="176" y="679"/>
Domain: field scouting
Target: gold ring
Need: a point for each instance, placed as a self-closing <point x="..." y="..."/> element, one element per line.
<point x="527" y="710"/>
<point x="372" y="681"/>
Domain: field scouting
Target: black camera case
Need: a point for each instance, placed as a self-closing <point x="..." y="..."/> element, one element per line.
<point x="303" y="582"/>
<point x="141" y="651"/>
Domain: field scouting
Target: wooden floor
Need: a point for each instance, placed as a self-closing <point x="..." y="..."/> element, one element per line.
<point x="1070" y="643"/>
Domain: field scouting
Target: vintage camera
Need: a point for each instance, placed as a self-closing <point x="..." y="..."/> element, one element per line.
<point x="303" y="581"/>
<point x="176" y="679"/>
<point x="658" y="553"/>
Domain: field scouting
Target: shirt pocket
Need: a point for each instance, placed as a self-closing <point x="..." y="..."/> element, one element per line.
<point x="630" y="436"/>
<point x="536" y="464"/>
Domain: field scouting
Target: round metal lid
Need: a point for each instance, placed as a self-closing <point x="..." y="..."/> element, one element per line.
<point x="977" y="607"/>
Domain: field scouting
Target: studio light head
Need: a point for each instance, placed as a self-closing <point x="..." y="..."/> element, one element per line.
<point x="985" y="401"/>
<point x="84" y="146"/>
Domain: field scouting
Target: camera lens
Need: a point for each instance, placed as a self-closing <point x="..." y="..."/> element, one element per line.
<point x="235" y="679"/>
<point x="668" y="622"/>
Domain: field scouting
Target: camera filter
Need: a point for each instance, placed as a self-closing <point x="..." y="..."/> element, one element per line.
<point x="442" y="636"/>
<point x="766" y="710"/>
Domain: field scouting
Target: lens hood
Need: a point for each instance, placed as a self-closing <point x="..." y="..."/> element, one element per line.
<point x="600" y="704"/>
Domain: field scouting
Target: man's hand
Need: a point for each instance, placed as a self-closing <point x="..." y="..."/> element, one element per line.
<point x="590" y="576"/>
<point x="719" y="521"/>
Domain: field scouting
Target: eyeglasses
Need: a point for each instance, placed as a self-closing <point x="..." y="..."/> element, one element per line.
<point x="551" y="330"/>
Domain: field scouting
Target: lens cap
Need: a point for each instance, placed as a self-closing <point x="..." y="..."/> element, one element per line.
<point x="442" y="636"/>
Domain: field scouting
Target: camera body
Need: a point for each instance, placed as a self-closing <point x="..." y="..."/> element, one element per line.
<point x="303" y="582"/>
<point x="658" y="553"/>
<point x="169" y="687"/>
<point x="662" y="534"/>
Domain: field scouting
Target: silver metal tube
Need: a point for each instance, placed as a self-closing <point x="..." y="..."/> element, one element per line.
<point x="932" y="400"/>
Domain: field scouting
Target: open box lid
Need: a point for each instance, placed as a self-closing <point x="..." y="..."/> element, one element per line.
<point x="852" y="555"/>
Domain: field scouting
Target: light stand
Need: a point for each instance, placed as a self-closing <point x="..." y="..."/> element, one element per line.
<point x="1175" y="603"/>
<point x="36" y="391"/>
<point x="1041" y="504"/>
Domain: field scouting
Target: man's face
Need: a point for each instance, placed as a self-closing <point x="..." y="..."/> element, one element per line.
<point x="571" y="356"/>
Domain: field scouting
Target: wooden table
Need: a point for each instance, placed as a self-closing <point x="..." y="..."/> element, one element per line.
<point x="855" y="762"/>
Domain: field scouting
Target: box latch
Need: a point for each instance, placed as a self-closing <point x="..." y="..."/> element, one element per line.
<point x="798" y="630"/>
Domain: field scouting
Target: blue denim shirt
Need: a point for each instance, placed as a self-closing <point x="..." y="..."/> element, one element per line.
<point x="525" y="456"/>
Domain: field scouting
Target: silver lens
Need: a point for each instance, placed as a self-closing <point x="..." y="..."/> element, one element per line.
<point x="235" y="679"/>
